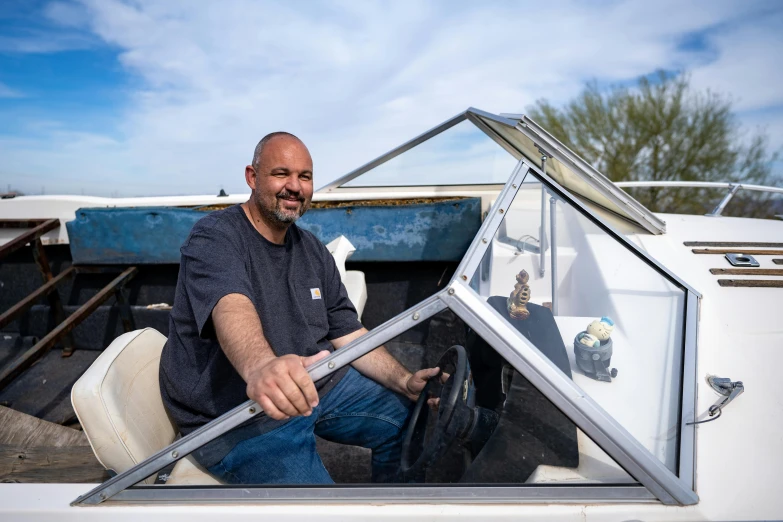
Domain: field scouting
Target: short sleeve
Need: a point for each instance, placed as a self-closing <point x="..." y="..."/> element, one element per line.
<point x="343" y="318"/>
<point x="213" y="268"/>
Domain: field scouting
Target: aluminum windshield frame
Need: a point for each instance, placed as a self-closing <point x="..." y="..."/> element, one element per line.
<point x="415" y="494"/>
<point x="557" y="150"/>
<point x="470" y="115"/>
<point x="553" y="148"/>
<point x="405" y="147"/>
<point x="658" y="480"/>
<point x="550" y="145"/>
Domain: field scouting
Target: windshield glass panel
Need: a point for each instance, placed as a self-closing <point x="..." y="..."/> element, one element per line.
<point x="460" y="155"/>
<point x="620" y="319"/>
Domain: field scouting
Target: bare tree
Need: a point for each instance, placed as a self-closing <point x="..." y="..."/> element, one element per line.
<point x="663" y="130"/>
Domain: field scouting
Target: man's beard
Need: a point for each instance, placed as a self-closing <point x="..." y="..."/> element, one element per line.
<point x="278" y="215"/>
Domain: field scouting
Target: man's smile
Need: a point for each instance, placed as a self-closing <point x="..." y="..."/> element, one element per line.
<point x="290" y="201"/>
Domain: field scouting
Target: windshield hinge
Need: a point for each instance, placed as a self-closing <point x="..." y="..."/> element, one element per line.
<point x="728" y="389"/>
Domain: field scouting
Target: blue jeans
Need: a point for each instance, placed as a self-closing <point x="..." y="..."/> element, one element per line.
<point x="358" y="411"/>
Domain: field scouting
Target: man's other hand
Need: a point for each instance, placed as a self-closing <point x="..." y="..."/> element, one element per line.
<point x="418" y="381"/>
<point x="283" y="388"/>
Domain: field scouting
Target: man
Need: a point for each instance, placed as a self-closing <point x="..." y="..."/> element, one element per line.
<point x="258" y="300"/>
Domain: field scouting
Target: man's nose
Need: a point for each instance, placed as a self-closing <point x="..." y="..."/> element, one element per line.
<point x="292" y="184"/>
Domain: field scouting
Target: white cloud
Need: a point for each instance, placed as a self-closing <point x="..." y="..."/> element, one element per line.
<point x="354" y="79"/>
<point x="748" y="64"/>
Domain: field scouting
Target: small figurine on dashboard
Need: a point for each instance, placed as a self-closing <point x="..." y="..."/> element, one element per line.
<point x="601" y="328"/>
<point x="593" y="350"/>
<point x="519" y="297"/>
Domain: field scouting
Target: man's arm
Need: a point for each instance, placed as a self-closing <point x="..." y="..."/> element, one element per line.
<point x="280" y="385"/>
<point x="380" y="366"/>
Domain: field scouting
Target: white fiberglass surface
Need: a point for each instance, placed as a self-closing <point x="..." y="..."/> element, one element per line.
<point x="601" y="288"/>
<point x="460" y="155"/>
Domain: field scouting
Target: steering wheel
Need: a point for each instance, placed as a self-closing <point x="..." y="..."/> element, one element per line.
<point x="458" y="418"/>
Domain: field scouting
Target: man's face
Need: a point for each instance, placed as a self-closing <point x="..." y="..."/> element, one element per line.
<point x="282" y="182"/>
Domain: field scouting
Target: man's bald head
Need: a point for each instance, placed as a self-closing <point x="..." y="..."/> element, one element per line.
<point x="259" y="151"/>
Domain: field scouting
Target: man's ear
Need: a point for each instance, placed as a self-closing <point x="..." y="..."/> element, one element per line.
<point x="250" y="177"/>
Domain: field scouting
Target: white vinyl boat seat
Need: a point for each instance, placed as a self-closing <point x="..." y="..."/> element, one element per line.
<point x="353" y="280"/>
<point x="118" y="402"/>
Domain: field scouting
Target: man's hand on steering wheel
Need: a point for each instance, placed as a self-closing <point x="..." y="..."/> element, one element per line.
<point x="418" y="381"/>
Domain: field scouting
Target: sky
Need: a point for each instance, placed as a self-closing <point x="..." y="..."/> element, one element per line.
<point x="137" y="97"/>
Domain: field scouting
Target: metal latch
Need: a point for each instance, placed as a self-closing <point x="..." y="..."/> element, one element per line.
<point x="728" y="389"/>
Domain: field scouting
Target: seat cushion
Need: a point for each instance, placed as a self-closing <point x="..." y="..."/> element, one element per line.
<point x="357" y="290"/>
<point x="118" y="403"/>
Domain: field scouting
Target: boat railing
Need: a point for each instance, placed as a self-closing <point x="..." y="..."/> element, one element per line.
<point x="732" y="189"/>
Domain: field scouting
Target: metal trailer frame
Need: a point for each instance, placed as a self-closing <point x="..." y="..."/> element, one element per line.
<point x="64" y="325"/>
<point x="656" y="481"/>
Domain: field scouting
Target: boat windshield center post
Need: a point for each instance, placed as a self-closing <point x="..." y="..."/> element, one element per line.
<point x="553" y="235"/>
<point x="543" y="242"/>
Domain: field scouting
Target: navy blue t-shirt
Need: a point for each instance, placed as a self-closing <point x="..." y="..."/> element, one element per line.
<point x="299" y="297"/>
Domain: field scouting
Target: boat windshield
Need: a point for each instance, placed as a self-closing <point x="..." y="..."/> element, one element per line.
<point x="620" y="320"/>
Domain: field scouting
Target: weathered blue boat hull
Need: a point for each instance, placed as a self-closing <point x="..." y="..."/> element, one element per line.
<point x="436" y="231"/>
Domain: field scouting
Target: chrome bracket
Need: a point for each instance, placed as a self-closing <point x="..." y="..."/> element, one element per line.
<point x="733" y="189"/>
<point x="728" y="389"/>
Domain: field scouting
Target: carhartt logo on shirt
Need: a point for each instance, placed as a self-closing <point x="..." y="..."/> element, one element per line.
<point x="315" y="293"/>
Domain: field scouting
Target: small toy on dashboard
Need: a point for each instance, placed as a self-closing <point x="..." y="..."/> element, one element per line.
<point x="601" y="328"/>
<point x="519" y="297"/>
<point x="593" y="350"/>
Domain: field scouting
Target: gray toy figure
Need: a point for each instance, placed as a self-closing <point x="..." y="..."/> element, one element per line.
<point x="593" y="350"/>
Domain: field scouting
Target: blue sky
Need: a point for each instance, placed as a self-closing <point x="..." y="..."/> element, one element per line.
<point x="138" y="97"/>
